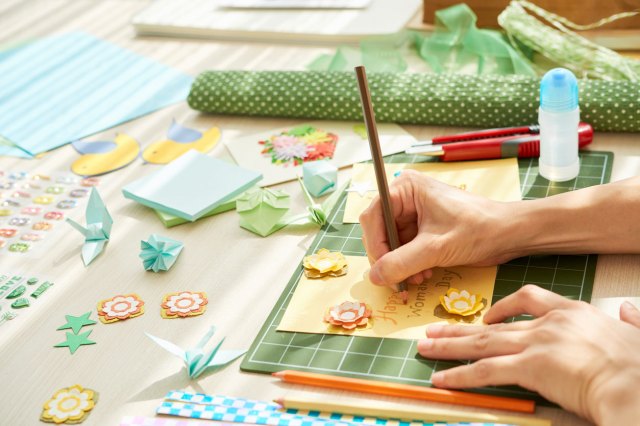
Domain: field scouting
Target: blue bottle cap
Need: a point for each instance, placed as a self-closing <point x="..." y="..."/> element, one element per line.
<point x="559" y="91"/>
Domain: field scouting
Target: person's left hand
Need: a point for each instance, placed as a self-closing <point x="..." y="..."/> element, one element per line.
<point x="572" y="353"/>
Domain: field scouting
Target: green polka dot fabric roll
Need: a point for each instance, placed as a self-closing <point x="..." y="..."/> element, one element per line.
<point x="429" y="99"/>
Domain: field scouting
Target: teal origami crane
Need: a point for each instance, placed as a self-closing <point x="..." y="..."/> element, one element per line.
<point x="159" y="253"/>
<point x="98" y="229"/>
<point x="197" y="360"/>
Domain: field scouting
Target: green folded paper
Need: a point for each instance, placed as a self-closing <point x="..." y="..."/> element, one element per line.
<point x="483" y="101"/>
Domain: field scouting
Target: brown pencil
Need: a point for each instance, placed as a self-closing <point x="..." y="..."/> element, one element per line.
<point x="378" y="165"/>
<point x="407" y="391"/>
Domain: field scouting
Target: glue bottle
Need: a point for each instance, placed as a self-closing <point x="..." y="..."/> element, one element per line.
<point x="559" y="116"/>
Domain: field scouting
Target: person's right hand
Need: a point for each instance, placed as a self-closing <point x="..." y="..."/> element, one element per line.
<point x="438" y="225"/>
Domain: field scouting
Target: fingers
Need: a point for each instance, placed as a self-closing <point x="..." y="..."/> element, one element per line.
<point x="373" y="231"/>
<point x="501" y="370"/>
<point x="530" y="300"/>
<point x="437" y="330"/>
<point x="484" y="344"/>
<point x="630" y="314"/>
<point x="397" y="265"/>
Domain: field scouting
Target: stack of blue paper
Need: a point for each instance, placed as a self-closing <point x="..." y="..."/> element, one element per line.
<point x="191" y="186"/>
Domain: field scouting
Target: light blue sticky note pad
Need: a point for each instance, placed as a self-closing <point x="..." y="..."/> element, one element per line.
<point x="191" y="185"/>
<point x="65" y="87"/>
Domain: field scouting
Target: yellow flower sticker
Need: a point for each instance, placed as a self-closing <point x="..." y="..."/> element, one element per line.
<point x="324" y="263"/>
<point x="69" y="405"/>
<point x="461" y="302"/>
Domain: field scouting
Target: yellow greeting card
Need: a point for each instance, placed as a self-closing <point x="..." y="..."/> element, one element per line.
<point x="495" y="179"/>
<point x="387" y="316"/>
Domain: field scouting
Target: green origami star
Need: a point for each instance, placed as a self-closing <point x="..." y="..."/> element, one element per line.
<point x="76" y="323"/>
<point x="74" y="341"/>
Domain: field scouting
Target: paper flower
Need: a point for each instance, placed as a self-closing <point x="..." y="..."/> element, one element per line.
<point x="324" y="263"/>
<point x="159" y="253"/>
<point x="461" y="302"/>
<point x="69" y="405"/>
<point x="349" y="315"/>
<point x="184" y="304"/>
<point x="300" y="144"/>
<point x="120" y="307"/>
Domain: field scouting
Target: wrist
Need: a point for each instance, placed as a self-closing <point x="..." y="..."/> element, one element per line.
<point x="618" y="401"/>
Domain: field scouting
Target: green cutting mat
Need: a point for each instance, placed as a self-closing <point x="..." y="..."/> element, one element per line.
<point x="396" y="360"/>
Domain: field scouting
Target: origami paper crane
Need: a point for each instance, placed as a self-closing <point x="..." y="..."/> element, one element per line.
<point x="98" y="229"/>
<point x="197" y="360"/>
<point x="320" y="177"/>
<point x="316" y="213"/>
<point x="159" y="253"/>
<point x="261" y="210"/>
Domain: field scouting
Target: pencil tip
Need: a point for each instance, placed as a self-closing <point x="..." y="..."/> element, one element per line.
<point x="405" y="297"/>
<point x="278" y="374"/>
<point x="279" y="401"/>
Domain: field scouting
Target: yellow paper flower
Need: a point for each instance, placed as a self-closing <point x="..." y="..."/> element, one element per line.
<point x="324" y="263"/>
<point x="70" y="405"/>
<point x="461" y="302"/>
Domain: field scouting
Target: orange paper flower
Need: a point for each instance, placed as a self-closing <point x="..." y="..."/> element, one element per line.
<point x="461" y="302"/>
<point x="120" y="308"/>
<point x="349" y="315"/>
<point x="184" y="304"/>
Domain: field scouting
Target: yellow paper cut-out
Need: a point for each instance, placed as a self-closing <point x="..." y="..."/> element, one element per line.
<point x="461" y="302"/>
<point x="324" y="263"/>
<point x="392" y="318"/>
<point x="498" y="180"/>
<point x="69" y="405"/>
<point x="126" y="150"/>
<point x="165" y="151"/>
<point x="349" y="315"/>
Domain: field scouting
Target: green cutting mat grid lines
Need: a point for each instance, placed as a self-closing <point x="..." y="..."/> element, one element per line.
<point x="396" y="360"/>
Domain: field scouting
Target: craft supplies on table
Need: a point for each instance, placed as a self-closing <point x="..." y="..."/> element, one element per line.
<point x="191" y="186"/>
<point x="62" y="88"/>
<point x="18" y="292"/>
<point x="33" y="207"/>
<point x="240" y="410"/>
<point x="520" y="142"/>
<point x="443" y="100"/>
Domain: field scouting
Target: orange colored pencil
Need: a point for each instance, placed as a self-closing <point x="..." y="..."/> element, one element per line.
<point x="407" y="391"/>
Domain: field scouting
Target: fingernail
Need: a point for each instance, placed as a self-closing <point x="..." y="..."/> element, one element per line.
<point x="425" y="345"/>
<point x="437" y="379"/>
<point x="434" y="330"/>
<point x="628" y="305"/>
<point x="375" y="277"/>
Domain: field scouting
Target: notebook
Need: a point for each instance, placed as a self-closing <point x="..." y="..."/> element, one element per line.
<point x="191" y="186"/>
<point x="205" y="18"/>
<point x="62" y="88"/>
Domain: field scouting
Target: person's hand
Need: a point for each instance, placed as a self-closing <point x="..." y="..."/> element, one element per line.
<point x="572" y="354"/>
<point x="438" y="225"/>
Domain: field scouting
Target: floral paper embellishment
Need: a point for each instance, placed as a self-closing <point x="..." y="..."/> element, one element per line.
<point x="69" y="405"/>
<point x="349" y="315"/>
<point x="300" y="144"/>
<point x="184" y="304"/>
<point x="120" y="307"/>
<point x="462" y="302"/>
<point x="324" y="263"/>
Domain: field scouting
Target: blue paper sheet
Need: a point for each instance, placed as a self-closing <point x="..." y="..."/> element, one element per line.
<point x="66" y="87"/>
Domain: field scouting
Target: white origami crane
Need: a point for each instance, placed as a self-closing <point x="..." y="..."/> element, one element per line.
<point x="197" y="360"/>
